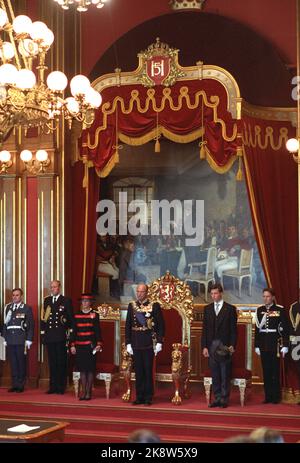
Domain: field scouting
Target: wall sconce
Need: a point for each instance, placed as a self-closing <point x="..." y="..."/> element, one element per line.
<point x="37" y="165"/>
<point x="5" y="161"/>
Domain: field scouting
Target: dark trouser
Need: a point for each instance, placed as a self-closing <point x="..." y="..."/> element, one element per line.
<point x="17" y="360"/>
<point x="271" y="372"/>
<point x="57" y="359"/>
<point x="221" y="376"/>
<point x="143" y="366"/>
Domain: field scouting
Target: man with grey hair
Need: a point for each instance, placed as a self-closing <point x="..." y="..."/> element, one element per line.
<point x="56" y="323"/>
<point x="144" y="332"/>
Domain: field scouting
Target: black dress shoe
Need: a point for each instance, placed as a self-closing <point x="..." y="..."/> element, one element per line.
<point x="214" y="404"/>
<point x="223" y="405"/>
<point x="51" y="391"/>
<point x="138" y="402"/>
<point x="148" y="402"/>
<point x="20" y="389"/>
<point x="275" y="401"/>
<point x="266" y="401"/>
<point x="12" y="389"/>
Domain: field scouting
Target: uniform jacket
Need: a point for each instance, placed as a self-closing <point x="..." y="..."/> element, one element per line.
<point x="86" y="330"/>
<point x="18" y="324"/>
<point x="143" y="322"/>
<point x="56" y="319"/>
<point x="222" y="327"/>
<point x="271" y="325"/>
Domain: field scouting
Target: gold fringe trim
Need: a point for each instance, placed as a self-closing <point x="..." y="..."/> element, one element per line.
<point x="264" y="139"/>
<point x="184" y="100"/>
<point x="137" y="141"/>
<point x="239" y="174"/>
<point x="106" y="170"/>
<point x="219" y="169"/>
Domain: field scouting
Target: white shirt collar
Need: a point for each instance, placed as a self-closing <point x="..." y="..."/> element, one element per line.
<point x="220" y="304"/>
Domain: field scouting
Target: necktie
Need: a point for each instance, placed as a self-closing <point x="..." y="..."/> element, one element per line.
<point x="54" y="299"/>
<point x="15" y="307"/>
<point x="217" y="308"/>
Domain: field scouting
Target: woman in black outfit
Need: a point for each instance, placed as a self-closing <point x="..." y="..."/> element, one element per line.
<point x="85" y="342"/>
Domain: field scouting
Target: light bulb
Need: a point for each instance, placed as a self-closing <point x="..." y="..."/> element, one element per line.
<point x="5" y="156"/>
<point x="38" y="30"/>
<point x="3" y="18"/>
<point x="7" y="51"/>
<point x="22" y="24"/>
<point x="41" y="155"/>
<point x="93" y="98"/>
<point x="8" y="74"/>
<point x="72" y="105"/>
<point x="57" y="81"/>
<point x="48" y="38"/>
<point x="79" y="85"/>
<point x="292" y="145"/>
<point x="26" y="79"/>
<point x="26" y="155"/>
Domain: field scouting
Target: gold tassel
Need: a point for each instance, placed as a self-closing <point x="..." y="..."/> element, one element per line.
<point x="86" y="176"/>
<point x="239" y="175"/>
<point x="239" y="151"/>
<point x="157" y="146"/>
<point x="116" y="156"/>
<point x="202" y="150"/>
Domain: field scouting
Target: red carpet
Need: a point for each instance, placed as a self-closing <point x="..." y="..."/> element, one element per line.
<point x="102" y="420"/>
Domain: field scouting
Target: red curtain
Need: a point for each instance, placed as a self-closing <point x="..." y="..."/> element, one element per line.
<point x="271" y="177"/>
<point x="83" y="223"/>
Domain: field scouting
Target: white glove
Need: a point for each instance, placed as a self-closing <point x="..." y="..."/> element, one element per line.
<point x="28" y="344"/>
<point x="129" y="349"/>
<point x="257" y="350"/>
<point x="4" y="343"/>
<point x="284" y="350"/>
<point x="157" y="348"/>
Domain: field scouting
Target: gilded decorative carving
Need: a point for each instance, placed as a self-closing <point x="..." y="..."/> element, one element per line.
<point x="126" y="368"/>
<point x="105" y="311"/>
<point x="173" y="293"/>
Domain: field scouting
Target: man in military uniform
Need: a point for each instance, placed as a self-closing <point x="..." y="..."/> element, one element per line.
<point x="294" y="316"/>
<point x="144" y="332"/>
<point x="271" y="341"/>
<point x="18" y="334"/>
<point x="56" y="321"/>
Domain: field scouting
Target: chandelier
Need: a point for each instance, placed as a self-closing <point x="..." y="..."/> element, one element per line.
<point x="27" y="97"/>
<point x="81" y="5"/>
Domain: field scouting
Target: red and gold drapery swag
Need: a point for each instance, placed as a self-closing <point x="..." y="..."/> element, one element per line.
<point x="185" y="112"/>
<point x="206" y="108"/>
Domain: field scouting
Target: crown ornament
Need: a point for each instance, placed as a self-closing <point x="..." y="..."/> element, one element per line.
<point x="186" y="4"/>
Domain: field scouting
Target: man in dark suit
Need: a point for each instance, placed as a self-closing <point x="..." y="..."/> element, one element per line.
<point x="144" y="332"/>
<point x="56" y="323"/>
<point x="219" y="335"/>
<point x="18" y="334"/>
<point x="271" y="331"/>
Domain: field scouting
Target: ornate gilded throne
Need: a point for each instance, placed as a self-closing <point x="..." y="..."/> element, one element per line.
<point x="173" y="363"/>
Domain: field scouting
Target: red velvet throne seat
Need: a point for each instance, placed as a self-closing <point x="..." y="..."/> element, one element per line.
<point x="107" y="366"/>
<point x="241" y="374"/>
<point x="172" y="364"/>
